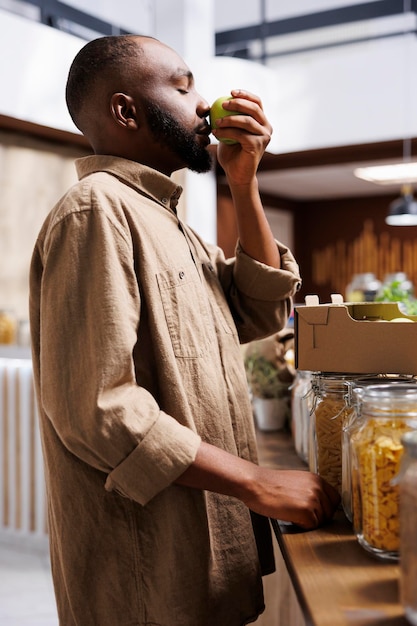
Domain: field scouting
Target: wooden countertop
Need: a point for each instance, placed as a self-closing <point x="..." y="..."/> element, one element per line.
<point x="336" y="581"/>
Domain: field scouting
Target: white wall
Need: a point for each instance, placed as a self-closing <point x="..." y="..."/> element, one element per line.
<point x="354" y="94"/>
<point x="34" y="63"/>
<point x="127" y="14"/>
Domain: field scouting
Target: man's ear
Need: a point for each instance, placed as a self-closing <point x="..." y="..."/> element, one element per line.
<point x="123" y="111"/>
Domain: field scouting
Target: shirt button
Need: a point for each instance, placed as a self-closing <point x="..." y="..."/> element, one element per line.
<point x="181" y="275"/>
<point x="164" y="200"/>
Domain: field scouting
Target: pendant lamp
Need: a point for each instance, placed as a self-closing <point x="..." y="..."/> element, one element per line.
<point x="403" y="211"/>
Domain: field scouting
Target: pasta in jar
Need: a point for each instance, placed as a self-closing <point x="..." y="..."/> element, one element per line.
<point x="332" y="409"/>
<point x="351" y="426"/>
<point x="378" y="451"/>
<point x="376" y="456"/>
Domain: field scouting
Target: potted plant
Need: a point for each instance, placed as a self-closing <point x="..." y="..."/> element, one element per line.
<point x="270" y="372"/>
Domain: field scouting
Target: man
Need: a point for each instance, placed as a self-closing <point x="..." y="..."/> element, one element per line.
<point x="147" y="429"/>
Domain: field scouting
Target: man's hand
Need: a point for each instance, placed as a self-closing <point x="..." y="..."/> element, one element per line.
<point x="296" y="496"/>
<point x="250" y="129"/>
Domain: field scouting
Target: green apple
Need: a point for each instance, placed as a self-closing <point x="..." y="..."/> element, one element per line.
<point x="217" y="112"/>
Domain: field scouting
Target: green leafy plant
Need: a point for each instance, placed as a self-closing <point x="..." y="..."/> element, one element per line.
<point x="269" y="365"/>
<point x="263" y="379"/>
<point x="393" y="292"/>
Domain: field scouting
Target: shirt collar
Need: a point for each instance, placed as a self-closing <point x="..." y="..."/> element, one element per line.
<point x="146" y="180"/>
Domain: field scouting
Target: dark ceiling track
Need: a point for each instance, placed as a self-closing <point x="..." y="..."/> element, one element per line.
<point x="54" y="13"/>
<point x="237" y="39"/>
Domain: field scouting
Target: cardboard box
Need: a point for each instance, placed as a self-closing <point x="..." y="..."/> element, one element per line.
<point x="357" y="338"/>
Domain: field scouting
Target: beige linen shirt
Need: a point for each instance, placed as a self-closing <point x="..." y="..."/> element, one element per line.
<point x="136" y="325"/>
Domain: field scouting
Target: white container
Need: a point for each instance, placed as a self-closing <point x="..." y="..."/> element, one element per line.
<point x="301" y="408"/>
<point x="270" y="413"/>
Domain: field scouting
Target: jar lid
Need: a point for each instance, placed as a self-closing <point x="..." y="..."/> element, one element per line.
<point x="409" y="441"/>
<point x="332" y="377"/>
<point x="331" y="382"/>
<point x="393" y="400"/>
<point x="383" y="379"/>
<point x="401" y="392"/>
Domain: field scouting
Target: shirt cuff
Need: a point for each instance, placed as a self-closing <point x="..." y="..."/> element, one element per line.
<point x="152" y="467"/>
<point x="263" y="282"/>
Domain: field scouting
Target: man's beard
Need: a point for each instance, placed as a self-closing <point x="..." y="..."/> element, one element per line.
<point x="167" y="131"/>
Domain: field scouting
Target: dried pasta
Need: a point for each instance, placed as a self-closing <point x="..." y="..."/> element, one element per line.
<point x="330" y="416"/>
<point x="378" y="451"/>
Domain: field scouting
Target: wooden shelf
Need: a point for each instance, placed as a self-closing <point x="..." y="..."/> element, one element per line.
<point x="336" y="581"/>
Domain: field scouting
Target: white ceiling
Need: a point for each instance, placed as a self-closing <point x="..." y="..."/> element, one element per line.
<point x="322" y="182"/>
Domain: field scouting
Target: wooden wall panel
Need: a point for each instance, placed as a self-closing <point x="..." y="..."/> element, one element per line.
<point x="335" y="239"/>
<point x="34" y="173"/>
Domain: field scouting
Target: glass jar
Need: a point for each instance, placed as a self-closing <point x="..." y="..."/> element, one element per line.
<point x="386" y="413"/>
<point x="8" y="327"/>
<point x="351" y="425"/>
<point x="408" y="520"/>
<point x="23" y="333"/>
<point x="362" y="288"/>
<point x="301" y="403"/>
<point x="332" y="408"/>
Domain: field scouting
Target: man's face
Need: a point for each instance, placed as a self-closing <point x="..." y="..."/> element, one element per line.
<point x="174" y="111"/>
<point x="168" y="131"/>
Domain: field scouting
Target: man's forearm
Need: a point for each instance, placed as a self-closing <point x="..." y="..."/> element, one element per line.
<point x="219" y="471"/>
<point x="254" y="232"/>
<point x="295" y="496"/>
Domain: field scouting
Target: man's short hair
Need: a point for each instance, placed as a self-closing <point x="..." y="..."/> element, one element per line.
<point x="105" y="56"/>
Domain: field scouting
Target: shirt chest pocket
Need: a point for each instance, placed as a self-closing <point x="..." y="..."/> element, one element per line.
<point x="186" y="311"/>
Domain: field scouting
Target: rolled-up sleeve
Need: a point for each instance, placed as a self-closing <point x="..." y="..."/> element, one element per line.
<point x="262" y="282"/>
<point x="178" y="452"/>
<point x="260" y="297"/>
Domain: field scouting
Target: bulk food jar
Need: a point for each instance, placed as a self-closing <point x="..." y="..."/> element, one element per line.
<point x="351" y="425"/>
<point x="386" y="412"/>
<point x="301" y="403"/>
<point x="8" y="327"/>
<point x="408" y="521"/>
<point x="332" y="408"/>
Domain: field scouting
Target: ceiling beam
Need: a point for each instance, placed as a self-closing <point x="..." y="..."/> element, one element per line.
<point x="341" y="154"/>
<point x="302" y="23"/>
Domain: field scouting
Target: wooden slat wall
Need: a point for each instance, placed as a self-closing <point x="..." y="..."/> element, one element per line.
<point x="336" y="239"/>
<point x="335" y="264"/>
